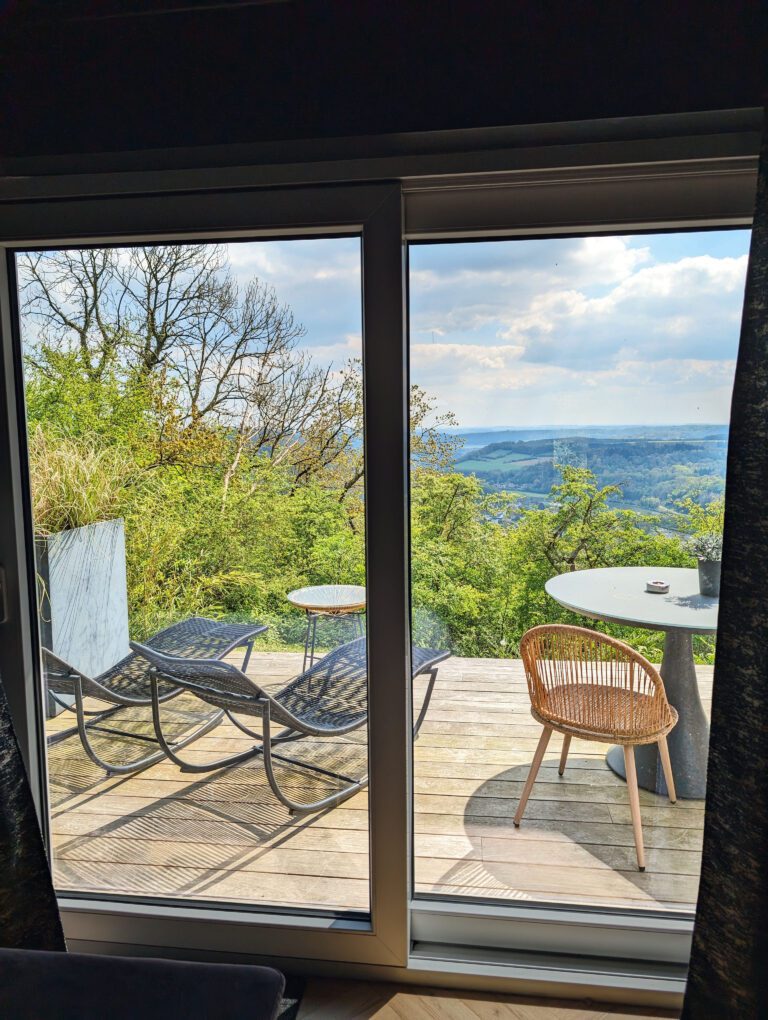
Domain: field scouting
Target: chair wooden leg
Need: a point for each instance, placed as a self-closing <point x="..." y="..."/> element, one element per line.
<point x="542" y="746"/>
<point x="564" y="753"/>
<point x="634" y="804"/>
<point x="666" y="764"/>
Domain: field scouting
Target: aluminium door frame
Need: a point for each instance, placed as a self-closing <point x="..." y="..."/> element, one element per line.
<point x="374" y="212"/>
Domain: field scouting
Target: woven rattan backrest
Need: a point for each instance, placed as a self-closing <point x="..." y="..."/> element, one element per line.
<point x="581" y="677"/>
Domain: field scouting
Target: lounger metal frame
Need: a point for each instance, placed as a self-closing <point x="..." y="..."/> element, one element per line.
<point x="128" y="684"/>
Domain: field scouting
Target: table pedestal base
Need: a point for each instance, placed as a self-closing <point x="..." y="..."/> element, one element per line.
<point x="688" y="741"/>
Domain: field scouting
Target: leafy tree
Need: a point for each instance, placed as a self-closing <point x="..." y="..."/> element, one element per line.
<point x="172" y="318"/>
<point x="703" y="520"/>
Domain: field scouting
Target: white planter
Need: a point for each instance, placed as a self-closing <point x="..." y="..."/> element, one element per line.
<point x="709" y="577"/>
<point x="83" y="595"/>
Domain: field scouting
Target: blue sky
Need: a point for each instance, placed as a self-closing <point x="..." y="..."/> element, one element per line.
<point x="573" y="331"/>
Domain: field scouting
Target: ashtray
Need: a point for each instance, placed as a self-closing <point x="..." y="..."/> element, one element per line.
<point x="657" y="587"/>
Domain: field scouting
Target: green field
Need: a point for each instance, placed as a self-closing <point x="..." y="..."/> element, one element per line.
<point x="498" y="461"/>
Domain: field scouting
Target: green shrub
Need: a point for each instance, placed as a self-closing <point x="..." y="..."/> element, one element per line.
<point x="75" y="481"/>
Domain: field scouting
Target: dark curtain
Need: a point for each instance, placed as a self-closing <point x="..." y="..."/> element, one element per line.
<point x="729" y="965"/>
<point x="29" y="916"/>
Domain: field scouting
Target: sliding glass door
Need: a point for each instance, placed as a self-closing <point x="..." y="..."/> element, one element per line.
<point x="569" y="427"/>
<point x="204" y="584"/>
<point x="195" y="441"/>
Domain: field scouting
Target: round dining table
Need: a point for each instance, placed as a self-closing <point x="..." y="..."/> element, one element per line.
<point x="618" y="595"/>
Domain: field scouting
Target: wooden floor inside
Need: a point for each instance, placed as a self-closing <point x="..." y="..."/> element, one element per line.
<point x="223" y="836"/>
<point x="326" y="999"/>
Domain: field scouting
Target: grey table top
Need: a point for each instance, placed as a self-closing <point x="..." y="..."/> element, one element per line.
<point x="329" y="598"/>
<point x="618" y="595"/>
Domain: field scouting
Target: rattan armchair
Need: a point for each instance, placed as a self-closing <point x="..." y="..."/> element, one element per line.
<point x="586" y="684"/>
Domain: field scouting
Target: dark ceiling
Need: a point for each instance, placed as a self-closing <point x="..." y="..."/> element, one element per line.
<point x="83" y="77"/>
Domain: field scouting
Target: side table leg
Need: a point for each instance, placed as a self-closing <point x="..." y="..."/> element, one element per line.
<point x="689" y="740"/>
<point x="314" y="639"/>
<point x="306" y="641"/>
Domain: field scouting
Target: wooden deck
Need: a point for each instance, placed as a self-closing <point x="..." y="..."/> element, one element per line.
<point x="222" y="836"/>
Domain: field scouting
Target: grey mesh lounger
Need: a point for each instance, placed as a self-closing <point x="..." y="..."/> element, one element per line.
<point x="329" y="699"/>
<point x="127" y="684"/>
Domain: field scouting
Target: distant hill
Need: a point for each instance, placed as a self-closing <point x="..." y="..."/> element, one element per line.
<point x="653" y="466"/>
<point x="475" y="438"/>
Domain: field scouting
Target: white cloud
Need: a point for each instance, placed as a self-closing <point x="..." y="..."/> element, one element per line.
<point x="596" y="329"/>
<point x="493" y="358"/>
<point x="677" y="282"/>
<point x="693" y="302"/>
<point x="318" y="279"/>
<point x="338" y="354"/>
<point x="609" y="259"/>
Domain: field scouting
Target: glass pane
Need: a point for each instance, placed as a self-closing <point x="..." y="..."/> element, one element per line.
<point x="196" y="456"/>
<point x="569" y="419"/>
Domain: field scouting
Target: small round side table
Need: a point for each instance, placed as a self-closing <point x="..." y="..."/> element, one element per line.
<point x="327" y="600"/>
